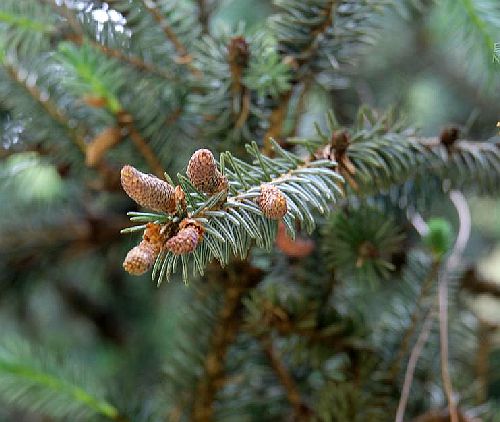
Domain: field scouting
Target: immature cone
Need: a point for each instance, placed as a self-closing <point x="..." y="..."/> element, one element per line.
<point x="203" y="173"/>
<point x="147" y="190"/>
<point x="184" y="242"/>
<point x="272" y="202"/>
<point x="140" y="258"/>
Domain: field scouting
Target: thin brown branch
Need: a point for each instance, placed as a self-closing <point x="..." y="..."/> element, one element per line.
<point x="238" y="279"/>
<point x="412" y="363"/>
<point x="410" y="330"/>
<point x="301" y="411"/>
<point x="125" y="120"/>
<point x="452" y="262"/>
<point x="78" y="37"/>
<point x="276" y="121"/>
<point x="204" y="15"/>
<point x="184" y="58"/>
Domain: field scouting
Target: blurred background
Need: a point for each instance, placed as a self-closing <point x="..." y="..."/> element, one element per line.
<point x="61" y="279"/>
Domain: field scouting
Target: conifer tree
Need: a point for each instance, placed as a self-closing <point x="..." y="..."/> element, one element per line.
<point x="297" y="250"/>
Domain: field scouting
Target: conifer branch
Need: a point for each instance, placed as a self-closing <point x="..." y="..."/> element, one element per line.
<point x="412" y="326"/>
<point x="41" y="383"/>
<point x="301" y="411"/>
<point x="47" y="105"/>
<point x="241" y="277"/>
<point x="412" y="363"/>
<point x="184" y="58"/>
<point x="79" y="37"/>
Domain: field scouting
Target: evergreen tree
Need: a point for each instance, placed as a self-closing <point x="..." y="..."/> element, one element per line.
<point x="316" y="246"/>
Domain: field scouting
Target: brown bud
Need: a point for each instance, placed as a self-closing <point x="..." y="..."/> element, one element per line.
<point x="147" y="190"/>
<point x="203" y="173"/>
<point x="239" y="52"/>
<point x="153" y="234"/>
<point x="184" y="242"/>
<point x="449" y="135"/>
<point x="340" y="141"/>
<point x="140" y="258"/>
<point x="272" y="202"/>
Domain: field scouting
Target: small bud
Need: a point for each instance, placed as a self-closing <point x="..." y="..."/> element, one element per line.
<point x="140" y="258"/>
<point x="203" y="173"/>
<point x="154" y="236"/>
<point x="147" y="190"/>
<point x="449" y="135"/>
<point x="184" y="242"/>
<point x="180" y="199"/>
<point x="272" y="202"/>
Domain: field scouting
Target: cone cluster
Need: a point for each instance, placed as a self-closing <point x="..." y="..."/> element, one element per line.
<point x="272" y="202"/>
<point x="203" y="173"/>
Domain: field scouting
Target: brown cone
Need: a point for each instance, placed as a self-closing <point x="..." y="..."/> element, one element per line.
<point x="147" y="190"/>
<point x="272" y="202"/>
<point x="184" y="242"/>
<point x="203" y="173"/>
<point x="140" y="258"/>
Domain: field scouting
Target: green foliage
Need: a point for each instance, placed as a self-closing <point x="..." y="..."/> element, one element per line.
<point x="327" y="333"/>
<point x="41" y="383"/>
<point x="360" y="243"/>
<point x="89" y="73"/>
<point x="25" y="27"/>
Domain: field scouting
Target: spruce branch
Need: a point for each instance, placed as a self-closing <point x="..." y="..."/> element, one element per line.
<point x="46" y="104"/>
<point x="184" y="58"/>
<point x="240" y="278"/>
<point x="301" y="412"/>
<point x="410" y="330"/>
<point x="40" y="383"/>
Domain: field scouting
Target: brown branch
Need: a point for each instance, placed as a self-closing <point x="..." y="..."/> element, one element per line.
<point x="276" y="121"/>
<point x="238" y="279"/>
<point x="184" y="57"/>
<point x="302" y="412"/>
<point x="78" y="36"/>
<point x="412" y="363"/>
<point x="204" y="15"/>
<point x="410" y="330"/>
<point x="126" y="121"/>
<point x="278" y="115"/>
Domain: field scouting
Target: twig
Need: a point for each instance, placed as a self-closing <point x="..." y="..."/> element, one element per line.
<point x="184" y="57"/>
<point x="301" y="411"/>
<point x="407" y="336"/>
<point x="126" y="120"/>
<point x="412" y="363"/>
<point x="276" y="121"/>
<point x="203" y="15"/>
<point x="453" y="261"/>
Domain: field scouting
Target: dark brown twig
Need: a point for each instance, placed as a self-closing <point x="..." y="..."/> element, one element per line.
<point x="301" y="411"/>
